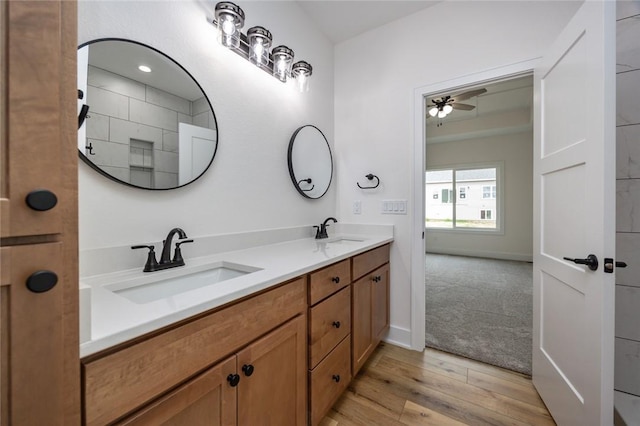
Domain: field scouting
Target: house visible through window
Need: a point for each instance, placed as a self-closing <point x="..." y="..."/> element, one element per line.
<point x="476" y="205"/>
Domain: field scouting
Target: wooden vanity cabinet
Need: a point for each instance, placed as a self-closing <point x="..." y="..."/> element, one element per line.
<point x="177" y="374"/>
<point x="262" y="384"/>
<point x="370" y="303"/>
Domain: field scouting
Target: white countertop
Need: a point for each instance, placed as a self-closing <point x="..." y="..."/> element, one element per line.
<point x="115" y="319"/>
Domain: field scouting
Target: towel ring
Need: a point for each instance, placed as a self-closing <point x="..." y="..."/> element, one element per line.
<point x="370" y="177"/>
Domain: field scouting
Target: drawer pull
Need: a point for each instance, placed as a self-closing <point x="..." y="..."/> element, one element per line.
<point x="233" y="380"/>
<point x="336" y="280"/>
<point x="41" y="200"/>
<point x="377" y="278"/>
<point x="336" y="378"/>
<point x="41" y="281"/>
<point x="336" y="324"/>
<point x="247" y="369"/>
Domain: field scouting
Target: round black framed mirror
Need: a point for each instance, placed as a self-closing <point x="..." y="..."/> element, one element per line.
<point x="310" y="162"/>
<point x="144" y="121"/>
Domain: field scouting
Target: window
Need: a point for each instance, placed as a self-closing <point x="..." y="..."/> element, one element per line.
<point x="489" y="191"/>
<point x="477" y="205"/>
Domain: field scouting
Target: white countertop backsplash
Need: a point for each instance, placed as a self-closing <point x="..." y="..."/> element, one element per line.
<point x="107" y="319"/>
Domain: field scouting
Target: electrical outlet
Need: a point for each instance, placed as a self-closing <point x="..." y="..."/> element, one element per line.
<point x="357" y="207"/>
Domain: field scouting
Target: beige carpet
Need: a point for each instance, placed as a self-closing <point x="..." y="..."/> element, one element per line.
<point x="481" y="309"/>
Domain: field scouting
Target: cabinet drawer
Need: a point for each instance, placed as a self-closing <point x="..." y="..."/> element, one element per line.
<point x="369" y="261"/>
<point x="329" y="379"/>
<point x="328" y="280"/>
<point x="330" y="322"/>
<point x="120" y="382"/>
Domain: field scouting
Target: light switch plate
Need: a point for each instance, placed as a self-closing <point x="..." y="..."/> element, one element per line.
<point x="393" y="207"/>
<point x="357" y="207"/>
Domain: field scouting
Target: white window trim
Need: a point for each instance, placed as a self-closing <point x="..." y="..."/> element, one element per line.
<point x="500" y="184"/>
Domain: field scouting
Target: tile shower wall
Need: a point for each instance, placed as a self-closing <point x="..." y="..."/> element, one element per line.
<point x="121" y="107"/>
<point x="627" y="349"/>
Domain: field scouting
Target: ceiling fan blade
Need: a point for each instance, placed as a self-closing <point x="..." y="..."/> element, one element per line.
<point x="463" y="107"/>
<point x="469" y="94"/>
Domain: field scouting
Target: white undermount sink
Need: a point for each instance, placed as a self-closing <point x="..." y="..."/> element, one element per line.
<point x="155" y="287"/>
<point x="344" y="240"/>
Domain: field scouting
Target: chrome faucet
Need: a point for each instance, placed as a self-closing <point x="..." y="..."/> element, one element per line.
<point x="165" y="258"/>
<point x="322" y="229"/>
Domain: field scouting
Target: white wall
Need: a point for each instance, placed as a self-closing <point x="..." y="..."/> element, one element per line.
<point x="376" y="74"/>
<point x="248" y="185"/>
<point x="516" y="153"/>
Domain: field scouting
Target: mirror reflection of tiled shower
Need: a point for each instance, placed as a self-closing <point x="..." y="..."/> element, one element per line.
<point x="627" y="328"/>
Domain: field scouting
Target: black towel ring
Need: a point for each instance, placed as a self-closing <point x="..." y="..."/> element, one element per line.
<point x="308" y="180"/>
<point x="370" y="177"/>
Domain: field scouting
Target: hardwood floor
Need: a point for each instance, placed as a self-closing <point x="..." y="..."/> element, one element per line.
<point x="403" y="387"/>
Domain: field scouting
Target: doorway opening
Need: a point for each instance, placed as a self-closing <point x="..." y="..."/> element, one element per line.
<point x="478" y="192"/>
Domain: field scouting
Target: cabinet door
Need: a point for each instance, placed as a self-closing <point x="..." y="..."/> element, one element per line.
<point x="273" y="386"/>
<point x="361" y="322"/>
<point x="380" y="295"/>
<point x="207" y="400"/>
<point x="40" y="53"/>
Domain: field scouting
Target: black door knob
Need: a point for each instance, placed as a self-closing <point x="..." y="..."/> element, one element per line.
<point x="41" y="200"/>
<point x="233" y="379"/>
<point x="247" y="369"/>
<point x="591" y="261"/>
<point x="336" y="280"/>
<point x="336" y="378"/>
<point x="336" y="324"/>
<point x="41" y="281"/>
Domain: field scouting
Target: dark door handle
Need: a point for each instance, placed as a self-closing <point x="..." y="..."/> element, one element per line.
<point x="591" y="261"/>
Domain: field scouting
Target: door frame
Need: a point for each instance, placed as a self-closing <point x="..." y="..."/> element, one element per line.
<point x="418" y="287"/>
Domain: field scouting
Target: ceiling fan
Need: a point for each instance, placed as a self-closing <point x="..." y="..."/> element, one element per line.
<point x="441" y="107"/>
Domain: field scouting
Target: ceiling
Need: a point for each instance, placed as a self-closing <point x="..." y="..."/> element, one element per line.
<point x="341" y="20"/>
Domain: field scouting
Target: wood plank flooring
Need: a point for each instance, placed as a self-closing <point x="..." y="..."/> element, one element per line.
<point x="402" y="387"/>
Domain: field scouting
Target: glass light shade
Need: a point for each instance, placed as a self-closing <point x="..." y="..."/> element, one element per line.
<point x="447" y="109"/>
<point x="433" y="111"/>
<point x="301" y="71"/>
<point x="259" y="43"/>
<point x="442" y="114"/>
<point x="230" y="19"/>
<point x="282" y="61"/>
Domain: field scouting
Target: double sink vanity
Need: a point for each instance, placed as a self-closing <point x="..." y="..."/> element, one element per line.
<point x="262" y="334"/>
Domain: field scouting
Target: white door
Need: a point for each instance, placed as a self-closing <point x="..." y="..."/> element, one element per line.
<point x="197" y="146"/>
<point x="574" y="216"/>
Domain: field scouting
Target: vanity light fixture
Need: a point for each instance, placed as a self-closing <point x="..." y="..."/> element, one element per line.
<point x="259" y="43"/>
<point x="301" y="71"/>
<point x="229" y="19"/>
<point x="254" y="46"/>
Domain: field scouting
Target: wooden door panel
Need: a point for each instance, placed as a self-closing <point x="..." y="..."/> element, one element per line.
<point x="380" y="310"/>
<point x="275" y="393"/>
<point x="36" y="337"/>
<point x="33" y="147"/>
<point x="207" y="400"/>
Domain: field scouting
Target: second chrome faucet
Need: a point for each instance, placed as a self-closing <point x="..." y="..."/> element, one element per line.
<point x="166" y="261"/>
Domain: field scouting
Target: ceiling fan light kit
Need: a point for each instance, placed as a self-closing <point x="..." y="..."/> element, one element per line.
<point x="445" y="105"/>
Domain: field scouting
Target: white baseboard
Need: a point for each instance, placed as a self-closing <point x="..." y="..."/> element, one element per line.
<point x="523" y="257"/>
<point x="399" y="336"/>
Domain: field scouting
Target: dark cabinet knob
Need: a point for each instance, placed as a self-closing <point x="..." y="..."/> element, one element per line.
<point x="336" y="378"/>
<point x="336" y="280"/>
<point x="247" y="369"/>
<point x="41" y="281"/>
<point x="376" y="278"/>
<point x="336" y="324"/>
<point x="41" y="200"/>
<point x="233" y="379"/>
